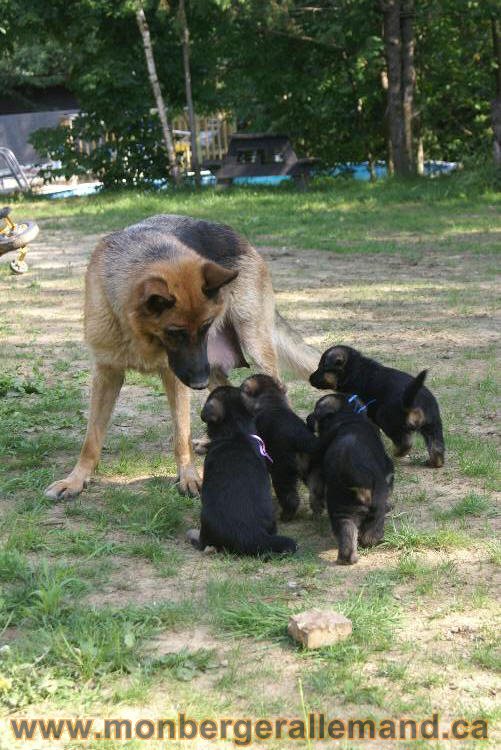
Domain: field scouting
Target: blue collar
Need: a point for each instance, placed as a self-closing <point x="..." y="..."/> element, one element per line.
<point x="363" y="407"/>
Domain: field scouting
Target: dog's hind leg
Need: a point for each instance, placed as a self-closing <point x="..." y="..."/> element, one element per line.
<point x="316" y="486"/>
<point x="178" y="396"/>
<point x="434" y="439"/>
<point x="346" y="532"/>
<point x="403" y="444"/>
<point x="106" y="385"/>
<point x="284" y="479"/>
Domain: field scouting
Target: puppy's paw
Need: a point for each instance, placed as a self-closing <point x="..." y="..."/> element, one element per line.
<point x="350" y="560"/>
<point x="193" y="536"/>
<point x="369" y="539"/>
<point x="189" y="481"/>
<point x="65" y="489"/>
<point x="436" y="460"/>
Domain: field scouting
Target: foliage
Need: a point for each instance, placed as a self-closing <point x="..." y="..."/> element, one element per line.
<point x="124" y="151"/>
<point x="315" y="71"/>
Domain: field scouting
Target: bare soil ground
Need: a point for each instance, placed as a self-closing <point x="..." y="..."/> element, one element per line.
<point x="430" y="309"/>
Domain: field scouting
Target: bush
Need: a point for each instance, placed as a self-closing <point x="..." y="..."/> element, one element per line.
<point x="129" y="155"/>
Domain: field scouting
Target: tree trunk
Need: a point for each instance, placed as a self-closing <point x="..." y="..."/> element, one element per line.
<point x="157" y="93"/>
<point x="398" y="36"/>
<point x="408" y="80"/>
<point x="496" y="104"/>
<point x="185" y="35"/>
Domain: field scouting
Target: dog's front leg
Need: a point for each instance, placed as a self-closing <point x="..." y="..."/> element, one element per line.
<point x="106" y="385"/>
<point x="178" y="396"/>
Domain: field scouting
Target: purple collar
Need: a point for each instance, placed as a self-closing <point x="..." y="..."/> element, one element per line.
<point x="262" y="447"/>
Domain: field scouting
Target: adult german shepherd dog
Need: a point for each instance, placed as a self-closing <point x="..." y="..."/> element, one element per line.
<point x="187" y="299"/>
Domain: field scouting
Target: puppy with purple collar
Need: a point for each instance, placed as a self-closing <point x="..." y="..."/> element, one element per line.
<point x="237" y="508"/>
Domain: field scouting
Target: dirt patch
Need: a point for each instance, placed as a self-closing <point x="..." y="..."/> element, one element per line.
<point x="422" y="309"/>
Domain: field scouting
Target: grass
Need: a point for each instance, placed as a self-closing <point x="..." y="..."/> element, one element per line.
<point x="103" y="606"/>
<point x="346" y="218"/>
<point x="471" y="504"/>
<point x="405" y="536"/>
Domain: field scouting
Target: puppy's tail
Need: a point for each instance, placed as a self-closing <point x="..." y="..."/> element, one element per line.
<point x="293" y="353"/>
<point x="412" y="389"/>
<point x="271" y="543"/>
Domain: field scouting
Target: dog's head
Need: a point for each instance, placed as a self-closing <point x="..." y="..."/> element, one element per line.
<point x="331" y="368"/>
<point x="256" y="386"/>
<point x="173" y="306"/>
<point x="330" y="406"/>
<point x="226" y="405"/>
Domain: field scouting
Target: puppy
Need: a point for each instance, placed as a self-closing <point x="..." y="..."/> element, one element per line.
<point x="357" y="473"/>
<point x="285" y="435"/>
<point x="237" y="508"/>
<point x="398" y="403"/>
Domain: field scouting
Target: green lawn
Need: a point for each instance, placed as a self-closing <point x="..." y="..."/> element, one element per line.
<point x="106" y="611"/>
<point x="349" y="217"/>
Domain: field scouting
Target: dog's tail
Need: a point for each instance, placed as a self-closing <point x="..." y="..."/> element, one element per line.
<point x="293" y="353"/>
<point x="271" y="543"/>
<point x="412" y="389"/>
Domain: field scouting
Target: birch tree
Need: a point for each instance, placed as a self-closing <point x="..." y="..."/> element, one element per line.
<point x="157" y="93"/>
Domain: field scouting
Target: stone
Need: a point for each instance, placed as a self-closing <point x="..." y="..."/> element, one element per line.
<point x="317" y="628"/>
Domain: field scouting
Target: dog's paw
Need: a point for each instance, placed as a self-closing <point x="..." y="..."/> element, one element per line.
<point x="190" y="482"/>
<point x="350" y="560"/>
<point x="369" y="539"/>
<point x="193" y="537"/>
<point x="65" y="489"/>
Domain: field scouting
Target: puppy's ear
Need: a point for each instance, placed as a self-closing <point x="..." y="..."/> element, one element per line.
<point x="214" y="277"/>
<point x="213" y="411"/>
<point x="249" y="387"/>
<point x="337" y="358"/>
<point x="153" y="295"/>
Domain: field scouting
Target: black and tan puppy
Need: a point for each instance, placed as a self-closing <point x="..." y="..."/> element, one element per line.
<point x="237" y="508"/>
<point x="285" y="435"/>
<point x="356" y="472"/>
<point x="397" y="402"/>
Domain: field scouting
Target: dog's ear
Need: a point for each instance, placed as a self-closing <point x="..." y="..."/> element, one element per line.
<point x="336" y="358"/>
<point x="215" y="277"/>
<point x="213" y="411"/>
<point x="250" y="387"/>
<point x="153" y="294"/>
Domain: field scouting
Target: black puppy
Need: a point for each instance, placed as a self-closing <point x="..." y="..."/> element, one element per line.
<point x="237" y="508"/>
<point x="356" y="471"/>
<point x="285" y="435"/>
<point x="398" y="403"/>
